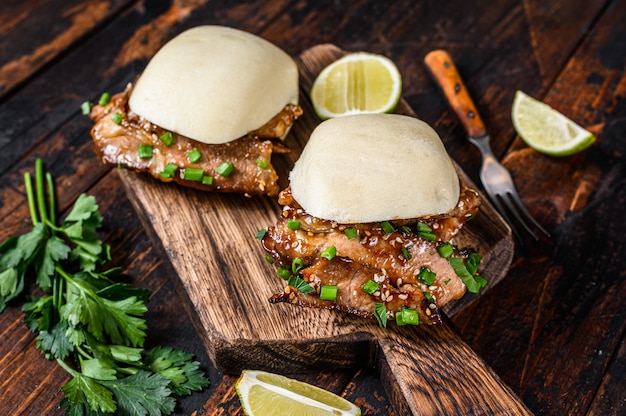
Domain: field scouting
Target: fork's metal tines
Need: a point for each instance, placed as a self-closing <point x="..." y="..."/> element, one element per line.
<point x="501" y="190"/>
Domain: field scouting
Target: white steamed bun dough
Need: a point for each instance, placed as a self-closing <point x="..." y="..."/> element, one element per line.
<point x="214" y="84"/>
<point x="374" y="167"/>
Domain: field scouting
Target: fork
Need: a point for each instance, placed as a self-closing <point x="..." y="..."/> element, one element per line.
<point x="495" y="178"/>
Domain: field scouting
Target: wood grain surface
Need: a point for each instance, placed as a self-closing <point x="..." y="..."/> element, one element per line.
<point x="553" y="329"/>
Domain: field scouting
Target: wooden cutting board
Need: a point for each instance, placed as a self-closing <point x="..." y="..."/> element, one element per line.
<point x="209" y="239"/>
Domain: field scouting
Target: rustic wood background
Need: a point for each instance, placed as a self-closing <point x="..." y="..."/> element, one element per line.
<point x="553" y="329"/>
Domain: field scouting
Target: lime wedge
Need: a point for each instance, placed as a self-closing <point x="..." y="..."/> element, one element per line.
<point x="262" y="394"/>
<point x="545" y="129"/>
<point x="357" y="83"/>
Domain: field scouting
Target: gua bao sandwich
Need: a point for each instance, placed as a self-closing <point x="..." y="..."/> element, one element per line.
<point x="368" y="216"/>
<point x="209" y="110"/>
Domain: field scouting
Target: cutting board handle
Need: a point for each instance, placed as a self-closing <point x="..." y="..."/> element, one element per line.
<point x="423" y="382"/>
<point x="443" y="70"/>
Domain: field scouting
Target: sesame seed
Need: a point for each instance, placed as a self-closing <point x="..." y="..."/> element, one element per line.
<point x="432" y="306"/>
<point x="403" y="296"/>
<point x="399" y="282"/>
<point x="377" y="293"/>
<point x="389" y="298"/>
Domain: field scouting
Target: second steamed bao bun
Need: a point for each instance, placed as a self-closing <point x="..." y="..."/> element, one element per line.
<point x="214" y="84"/>
<point x="374" y="167"/>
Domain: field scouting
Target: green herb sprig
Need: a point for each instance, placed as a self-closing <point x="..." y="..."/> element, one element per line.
<point x="92" y="326"/>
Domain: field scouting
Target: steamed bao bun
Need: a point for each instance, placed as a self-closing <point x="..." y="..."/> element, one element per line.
<point x="374" y="167"/>
<point x="214" y="84"/>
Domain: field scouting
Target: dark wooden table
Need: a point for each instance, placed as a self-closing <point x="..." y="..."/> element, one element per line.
<point x="553" y="329"/>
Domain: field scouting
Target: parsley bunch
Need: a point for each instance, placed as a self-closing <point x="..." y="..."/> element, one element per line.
<point x="92" y="326"/>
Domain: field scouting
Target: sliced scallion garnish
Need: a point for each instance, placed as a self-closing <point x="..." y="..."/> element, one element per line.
<point x="167" y="138"/>
<point x="406" y="253"/>
<point x="261" y="233"/>
<point x="370" y="287"/>
<point x="426" y="276"/>
<point x="85" y="107"/>
<point x="407" y="316"/>
<point x="300" y="284"/>
<point x="225" y="169"/>
<point x="445" y="250"/>
<point x="262" y="163"/>
<point x="145" y="151"/>
<point x="207" y="180"/>
<point x="296" y="265"/>
<point x="283" y="272"/>
<point x="387" y="227"/>
<point x="293" y="224"/>
<point x="328" y="292"/>
<point x="194" y="155"/>
<point x="351" y="232"/>
<point x="193" y="174"/>
<point x="169" y="171"/>
<point x="117" y="118"/>
<point x="105" y="97"/>
<point x="380" y="312"/>
<point x="329" y="253"/>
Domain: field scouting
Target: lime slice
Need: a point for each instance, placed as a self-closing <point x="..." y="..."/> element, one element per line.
<point x="357" y="83"/>
<point x="545" y="129"/>
<point x="262" y="394"/>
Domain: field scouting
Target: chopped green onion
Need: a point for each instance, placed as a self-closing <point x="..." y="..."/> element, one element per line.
<point x="293" y="224"/>
<point x="329" y="253"/>
<point x="300" y="284"/>
<point x="167" y="138"/>
<point x="387" y="227"/>
<point x="104" y="99"/>
<point x="473" y="261"/>
<point x="296" y="265"/>
<point x="407" y="316"/>
<point x="380" y="312"/>
<point x="328" y="292"/>
<point x="262" y="163"/>
<point x="193" y="174"/>
<point x="351" y="232"/>
<point x="207" y="180"/>
<point x="117" y="118"/>
<point x="168" y="171"/>
<point x="447" y="281"/>
<point x="145" y="151"/>
<point x="424" y="231"/>
<point x="269" y="259"/>
<point x="426" y="276"/>
<point x="225" y="169"/>
<point x="445" y="250"/>
<point x="283" y="272"/>
<point x="473" y="283"/>
<point x="370" y="287"/>
<point x="194" y="155"/>
<point x="406" y="253"/>
<point x="85" y="107"/>
<point x="261" y="233"/>
<point x="428" y="236"/>
<point x="429" y="296"/>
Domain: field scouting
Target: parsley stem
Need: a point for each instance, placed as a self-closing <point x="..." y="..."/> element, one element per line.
<point x="30" y="196"/>
<point x="51" y="198"/>
<point x="40" y="190"/>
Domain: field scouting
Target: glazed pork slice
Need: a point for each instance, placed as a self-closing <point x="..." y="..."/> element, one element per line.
<point x="242" y="166"/>
<point x="407" y="268"/>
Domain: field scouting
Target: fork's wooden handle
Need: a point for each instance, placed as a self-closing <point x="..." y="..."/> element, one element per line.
<point x="444" y="72"/>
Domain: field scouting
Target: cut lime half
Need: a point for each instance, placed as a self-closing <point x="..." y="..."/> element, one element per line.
<point x="262" y="394"/>
<point x="545" y="129"/>
<point x="357" y="83"/>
